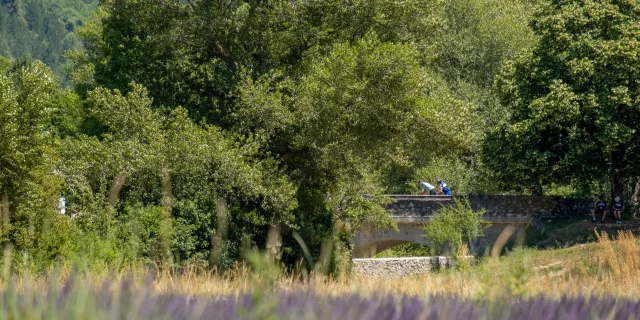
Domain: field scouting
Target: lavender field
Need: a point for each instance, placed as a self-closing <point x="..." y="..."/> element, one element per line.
<point x="76" y="301"/>
<point x="595" y="281"/>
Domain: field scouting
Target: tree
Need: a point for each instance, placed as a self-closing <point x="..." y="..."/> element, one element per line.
<point x="347" y="123"/>
<point x="573" y="99"/>
<point x="147" y="160"/>
<point x="25" y="143"/>
<point x="29" y="187"/>
<point x="455" y="224"/>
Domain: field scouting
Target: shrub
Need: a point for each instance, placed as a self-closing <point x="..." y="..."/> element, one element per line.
<point x="455" y="223"/>
<point x="408" y="250"/>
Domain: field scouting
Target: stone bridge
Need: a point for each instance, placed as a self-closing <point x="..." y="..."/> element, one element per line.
<point x="411" y="211"/>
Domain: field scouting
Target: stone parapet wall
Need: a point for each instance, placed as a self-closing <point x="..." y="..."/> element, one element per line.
<point x="398" y="267"/>
<point x="505" y="209"/>
<point x="522" y="206"/>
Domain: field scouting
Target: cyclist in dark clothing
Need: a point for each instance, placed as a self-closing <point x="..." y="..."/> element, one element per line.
<point x="535" y="191"/>
<point x="601" y="208"/>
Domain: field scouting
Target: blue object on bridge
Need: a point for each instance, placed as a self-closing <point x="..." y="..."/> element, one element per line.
<point x="445" y="189"/>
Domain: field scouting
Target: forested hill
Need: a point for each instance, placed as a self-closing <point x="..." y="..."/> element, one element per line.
<point x="42" y="29"/>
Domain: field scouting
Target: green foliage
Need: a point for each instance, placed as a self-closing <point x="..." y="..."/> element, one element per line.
<point x="167" y="161"/>
<point x="455" y="223"/>
<point x="408" y="250"/>
<point x="477" y="36"/>
<point x="24" y="116"/>
<point x="28" y="188"/>
<point x="195" y="127"/>
<point x="42" y="30"/>
<point x="145" y="232"/>
<point x="461" y="176"/>
<point x="571" y="99"/>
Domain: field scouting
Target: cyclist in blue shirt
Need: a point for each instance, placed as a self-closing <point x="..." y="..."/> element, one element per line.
<point x="426" y="187"/>
<point x="601" y="208"/>
<point x="618" y="208"/>
<point x="443" y="188"/>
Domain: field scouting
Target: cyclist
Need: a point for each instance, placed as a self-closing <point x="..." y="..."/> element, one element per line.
<point x="618" y="208"/>
<point x="601" y="208"/>
<point x="426" y="187"/>
<point x="443" y="188"/>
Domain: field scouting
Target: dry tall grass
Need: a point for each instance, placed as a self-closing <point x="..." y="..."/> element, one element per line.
<point x="609" y="266"/>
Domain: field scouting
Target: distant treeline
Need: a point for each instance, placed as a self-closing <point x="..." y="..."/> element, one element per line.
<point x="42" y="29"/>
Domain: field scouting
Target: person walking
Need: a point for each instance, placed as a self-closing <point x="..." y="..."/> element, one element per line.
<point x="601" y="208"/>
<point x="444" y="189"/>
<point x="618" y="208"/>
<point x="425" y="186"/>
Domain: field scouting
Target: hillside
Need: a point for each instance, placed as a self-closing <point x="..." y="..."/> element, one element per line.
<point x="42" y="29"/>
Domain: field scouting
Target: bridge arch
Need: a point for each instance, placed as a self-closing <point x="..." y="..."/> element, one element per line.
<point x="368" y="244"/>
<point x="370" y="249"/>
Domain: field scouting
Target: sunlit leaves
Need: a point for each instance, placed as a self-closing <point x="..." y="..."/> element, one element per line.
<point x="25" y="112"/>
<point x="573" y="97"/>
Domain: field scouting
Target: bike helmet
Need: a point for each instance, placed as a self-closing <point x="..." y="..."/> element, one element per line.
<point x="617" y="199"/>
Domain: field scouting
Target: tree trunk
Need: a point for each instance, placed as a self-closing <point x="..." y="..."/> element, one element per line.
<point x="274" y="241"/>
<point x="167" y="205"/>
<point x="634" y="196"/>
<point x="116" y="186"/>
<point x="4" y="215"/>
<point x="4" y="212"/>
<point x="167" y="192"/>
<point x="618" y="177"/>
<point x="219" y="234"/>
<point x="636" y="191"/>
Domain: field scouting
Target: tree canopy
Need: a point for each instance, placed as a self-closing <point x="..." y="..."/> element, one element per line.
<point x="42" y="30"/>
<point x="572" y="99"/>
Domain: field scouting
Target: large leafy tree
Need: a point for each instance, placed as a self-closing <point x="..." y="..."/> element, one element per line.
<point x="26" y="92"/>
<point x="343" y="99"/>
<point x="573" y="99"/>
<point x="28" y="184"/>
<point x="146" y="158"/>
<point x="191" y="54"/>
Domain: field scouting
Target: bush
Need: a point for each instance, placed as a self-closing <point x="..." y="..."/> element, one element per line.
<point x="455" y="223"/>
<point x="408" y="250"/>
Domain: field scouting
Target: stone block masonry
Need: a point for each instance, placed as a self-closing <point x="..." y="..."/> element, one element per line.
<point x="411" y="211"/>
<point x="498" y="209"/>
<point x="398" y="267"/>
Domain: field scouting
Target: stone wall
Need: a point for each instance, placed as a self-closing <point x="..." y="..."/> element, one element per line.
<point x="507" y="209"/>
<point x="397" y="267"/>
